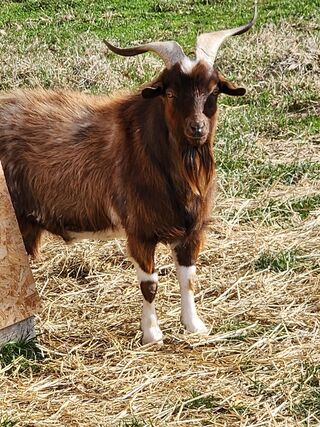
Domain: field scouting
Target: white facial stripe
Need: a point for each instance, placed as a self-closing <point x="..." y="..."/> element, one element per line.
<point x="187" y="65"/>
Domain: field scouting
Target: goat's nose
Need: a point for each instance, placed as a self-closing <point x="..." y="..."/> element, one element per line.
<point x="197" y="127"/>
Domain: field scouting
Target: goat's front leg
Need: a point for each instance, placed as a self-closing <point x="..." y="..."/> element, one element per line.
<point x="142" y="254"/>
<point x="185" y="255"/>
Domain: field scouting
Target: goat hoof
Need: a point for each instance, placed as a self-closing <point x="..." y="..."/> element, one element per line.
<point x="195" y="325"/>
<point x="152" y="336"/>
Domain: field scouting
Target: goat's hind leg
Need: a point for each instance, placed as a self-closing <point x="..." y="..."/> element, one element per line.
<point x="31" y="234"/>
<point x="142" y="254"/>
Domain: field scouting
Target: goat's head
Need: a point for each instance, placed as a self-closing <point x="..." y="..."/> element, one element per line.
<point x="189" y="88"/>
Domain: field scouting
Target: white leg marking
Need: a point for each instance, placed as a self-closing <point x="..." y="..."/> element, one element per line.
<point x="189" y="315"/>
<point x="149" y="321"/>
<point x="143" y="276"/>
<point x="149" y="324"/>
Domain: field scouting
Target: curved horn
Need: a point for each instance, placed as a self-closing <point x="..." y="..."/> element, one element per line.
<point x="170" y="52"/>
<point x="208" y="44"/>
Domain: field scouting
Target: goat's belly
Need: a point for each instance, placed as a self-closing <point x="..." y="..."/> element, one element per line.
<point x="108" y="234"/>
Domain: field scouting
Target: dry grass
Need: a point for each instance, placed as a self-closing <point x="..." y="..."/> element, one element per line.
<point x="260" y="365"/>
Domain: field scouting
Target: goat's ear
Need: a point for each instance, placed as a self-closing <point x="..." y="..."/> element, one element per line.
<point x="152" y="91"/>
<point x="229" y="88"/>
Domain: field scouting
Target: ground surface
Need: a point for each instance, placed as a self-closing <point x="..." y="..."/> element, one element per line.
<point x="258" y="276"/>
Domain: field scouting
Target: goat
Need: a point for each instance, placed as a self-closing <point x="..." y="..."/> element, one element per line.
<point x="140" y="165"/>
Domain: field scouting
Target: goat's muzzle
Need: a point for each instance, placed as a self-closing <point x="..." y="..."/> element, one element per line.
<point x="196" y="131"/>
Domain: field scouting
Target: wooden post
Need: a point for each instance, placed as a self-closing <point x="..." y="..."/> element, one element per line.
<point x="19" y="299"/>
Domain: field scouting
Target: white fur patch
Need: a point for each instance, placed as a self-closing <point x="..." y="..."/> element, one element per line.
<point x="149" y="324"/>
<point x="143" y="276"/>
<point x="117" y="232"/>
<point x="149" y="321"/>
<point x="187" y="65"/>
<point x="114" y="217"/>
<point x="189" y="315"/>
<point x="185" y="274"/>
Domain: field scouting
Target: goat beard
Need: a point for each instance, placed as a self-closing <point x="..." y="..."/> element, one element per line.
<point x="198" y="167"/>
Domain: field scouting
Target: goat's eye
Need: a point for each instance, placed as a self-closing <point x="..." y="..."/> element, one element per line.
<point x="170" y="94"/>
<point x="215" y="91"/>
<point x="212" y="98"/>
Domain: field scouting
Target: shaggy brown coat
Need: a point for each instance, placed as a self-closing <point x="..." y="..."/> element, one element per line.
<point x="76" y="162"/>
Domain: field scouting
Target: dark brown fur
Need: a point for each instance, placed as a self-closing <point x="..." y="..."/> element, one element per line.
<point x="149" y="290"/>
<point x="73" y="161"/>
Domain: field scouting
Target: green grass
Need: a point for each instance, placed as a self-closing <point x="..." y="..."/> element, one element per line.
<point x="287" y="173"/>
<point x="230" y="325"/>
<point x="128" y="21"/>
<point x="310" y="123"/>
<point x="309" y="402"/>
<point x="311" y="374"/>
<point x="135" y="422"/>
<point x="261" y="175"/>
<point x="283" y="213"/>
<point x="21" y="354"/>
<point x="60" y="25"/>
<point x="302" y="206"/>
<point x="209" y="402"/>
<point x="199" y="401"/>
<point x="278" y="261"/>
<point x="7" y="422"/>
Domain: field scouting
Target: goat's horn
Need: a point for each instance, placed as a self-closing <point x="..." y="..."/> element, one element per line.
<point x="171" y="52"/>
<point x="208" y="44"/>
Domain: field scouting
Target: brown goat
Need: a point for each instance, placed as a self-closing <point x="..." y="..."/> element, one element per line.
<point x="140" y="165"/>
